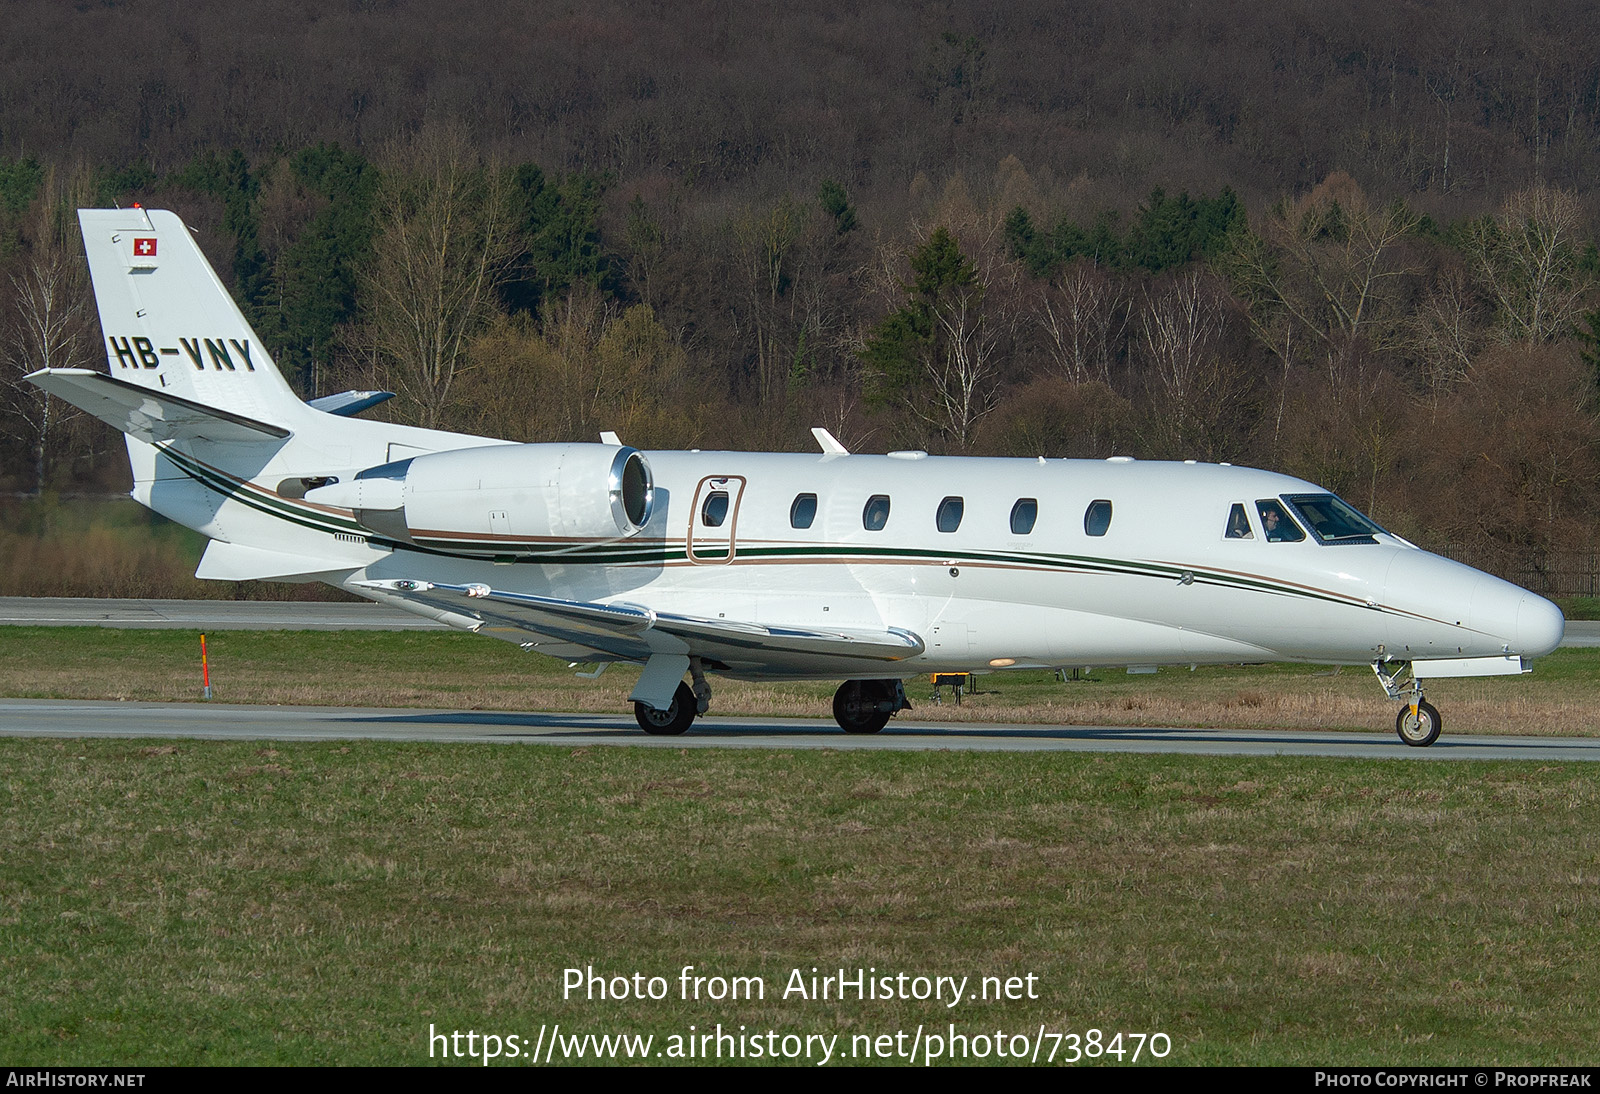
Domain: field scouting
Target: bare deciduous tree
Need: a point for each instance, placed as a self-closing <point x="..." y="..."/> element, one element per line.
<point x="766" y="242"/>
<point x="1527" y="260"/>
<point x="1446" y="331"/>
<point x="1085" y="314"/>
<point x="51" y="324"/>
<point x="942" y="353"/>
<point x="1329" y="264"/>
<point x="1324" y="283"/>
<point x="443" y="243"/>
<point x="589" y="366"/>
<point x="960" y="380"/>
<point x="1181" y="324"/>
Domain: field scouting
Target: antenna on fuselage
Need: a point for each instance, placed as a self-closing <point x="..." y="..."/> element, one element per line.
<point x="829" y="443"/>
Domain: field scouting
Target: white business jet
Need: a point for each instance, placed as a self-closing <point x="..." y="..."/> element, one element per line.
<point x="833" y="565"/>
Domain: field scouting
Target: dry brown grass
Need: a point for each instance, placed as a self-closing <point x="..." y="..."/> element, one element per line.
<point x="115" y="548"/>
<point x="1469" y="707"/>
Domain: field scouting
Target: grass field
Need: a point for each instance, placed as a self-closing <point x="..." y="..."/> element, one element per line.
<point x="317" y="903"/>
<point x="216" y="902"/>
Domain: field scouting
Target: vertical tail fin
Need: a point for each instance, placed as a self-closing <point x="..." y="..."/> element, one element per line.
<point x="170" y="324"/>
<point x="216" y="439"/>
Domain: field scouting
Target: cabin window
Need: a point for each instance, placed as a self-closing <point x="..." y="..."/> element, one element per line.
<point x="1097" y="518"/>
<point x="876" y="513"/>
<point x="715" y="509"/>
<point x="949" y="515"/>
<point x="1277" y="524"/>
<point x="1332" y="519"/>
<point x="1023" y="514"/>
<point x="1238" y="523"/>
<point x="803" y="511"/>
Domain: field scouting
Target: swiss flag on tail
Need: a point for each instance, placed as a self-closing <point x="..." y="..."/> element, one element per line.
<point x="144" y="247"/>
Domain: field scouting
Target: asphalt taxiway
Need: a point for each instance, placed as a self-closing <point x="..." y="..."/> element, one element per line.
<point x="218" y="721"/>
<point x="207" y="615"/>
<point x="71" y="718"/>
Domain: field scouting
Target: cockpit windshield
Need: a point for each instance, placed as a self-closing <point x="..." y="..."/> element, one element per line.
<point x="1332" y="520"/>
<point x="1279" y="525"/>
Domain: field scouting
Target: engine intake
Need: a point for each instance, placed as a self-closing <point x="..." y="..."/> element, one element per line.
<point x="502" y="499"/>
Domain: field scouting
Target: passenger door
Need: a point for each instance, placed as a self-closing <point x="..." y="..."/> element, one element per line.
<point x="714" y="519"/>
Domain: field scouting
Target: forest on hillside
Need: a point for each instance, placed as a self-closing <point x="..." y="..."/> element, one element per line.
<point x="1350" y="240"/>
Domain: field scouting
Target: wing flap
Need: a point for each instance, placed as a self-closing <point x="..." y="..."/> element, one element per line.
<point x="149" y="414"/>
<point x="612" y="630"/>
<point x="635" y="632"/>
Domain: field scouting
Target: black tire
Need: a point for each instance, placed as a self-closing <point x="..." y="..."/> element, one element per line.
<point x="678" y="716"/>
<point x="1421" y="731"/>
<point x="855" y="705"/>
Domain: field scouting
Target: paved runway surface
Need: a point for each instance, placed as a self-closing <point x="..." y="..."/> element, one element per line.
<point x="64" y="718"/>
<point x="210" y="615"/>
<point x="1581" y="633"/>
<point x="221" y="721"/>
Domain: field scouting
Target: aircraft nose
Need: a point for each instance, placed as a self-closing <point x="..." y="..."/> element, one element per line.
<point x="1507" y="618"/>
<point x="1527" y="623"/>
<point x="1540" y="626"/>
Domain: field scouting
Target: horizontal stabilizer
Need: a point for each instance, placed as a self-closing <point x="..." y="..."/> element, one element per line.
<point x="149" y="414"/>
<point x="634" y="632"/>
<point x="347" y="404"/>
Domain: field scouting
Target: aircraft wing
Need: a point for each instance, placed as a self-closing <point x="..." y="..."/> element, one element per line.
<point x="147" y="413"/>
<point x="634" y="633"/>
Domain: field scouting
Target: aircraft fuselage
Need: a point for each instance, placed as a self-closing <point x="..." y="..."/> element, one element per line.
<point x="1161" y="583"/>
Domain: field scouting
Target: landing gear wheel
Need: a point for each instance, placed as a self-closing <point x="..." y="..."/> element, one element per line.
<point x="672" y="721"/>
<point x="856" y="705"/>
<point x="1420" y="730"/>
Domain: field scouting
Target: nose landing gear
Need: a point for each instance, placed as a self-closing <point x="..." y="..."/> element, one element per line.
<point x="1418" y="723"/>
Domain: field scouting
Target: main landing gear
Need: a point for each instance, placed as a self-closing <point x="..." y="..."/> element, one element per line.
<point x="677" y="718"/>
<point x="859" y="706"/>
<point x="1418" y="722"/>
<point x="865" y="706"/>
<point x="687" y="703"/>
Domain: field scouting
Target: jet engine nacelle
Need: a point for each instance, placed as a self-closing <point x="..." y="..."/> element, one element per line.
<point x="501" y="498"/>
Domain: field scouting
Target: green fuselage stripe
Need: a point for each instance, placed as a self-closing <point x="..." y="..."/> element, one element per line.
<point x="656" y="555"/>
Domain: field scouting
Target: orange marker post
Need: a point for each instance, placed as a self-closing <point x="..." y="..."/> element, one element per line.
<point x="205" y="669"/>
